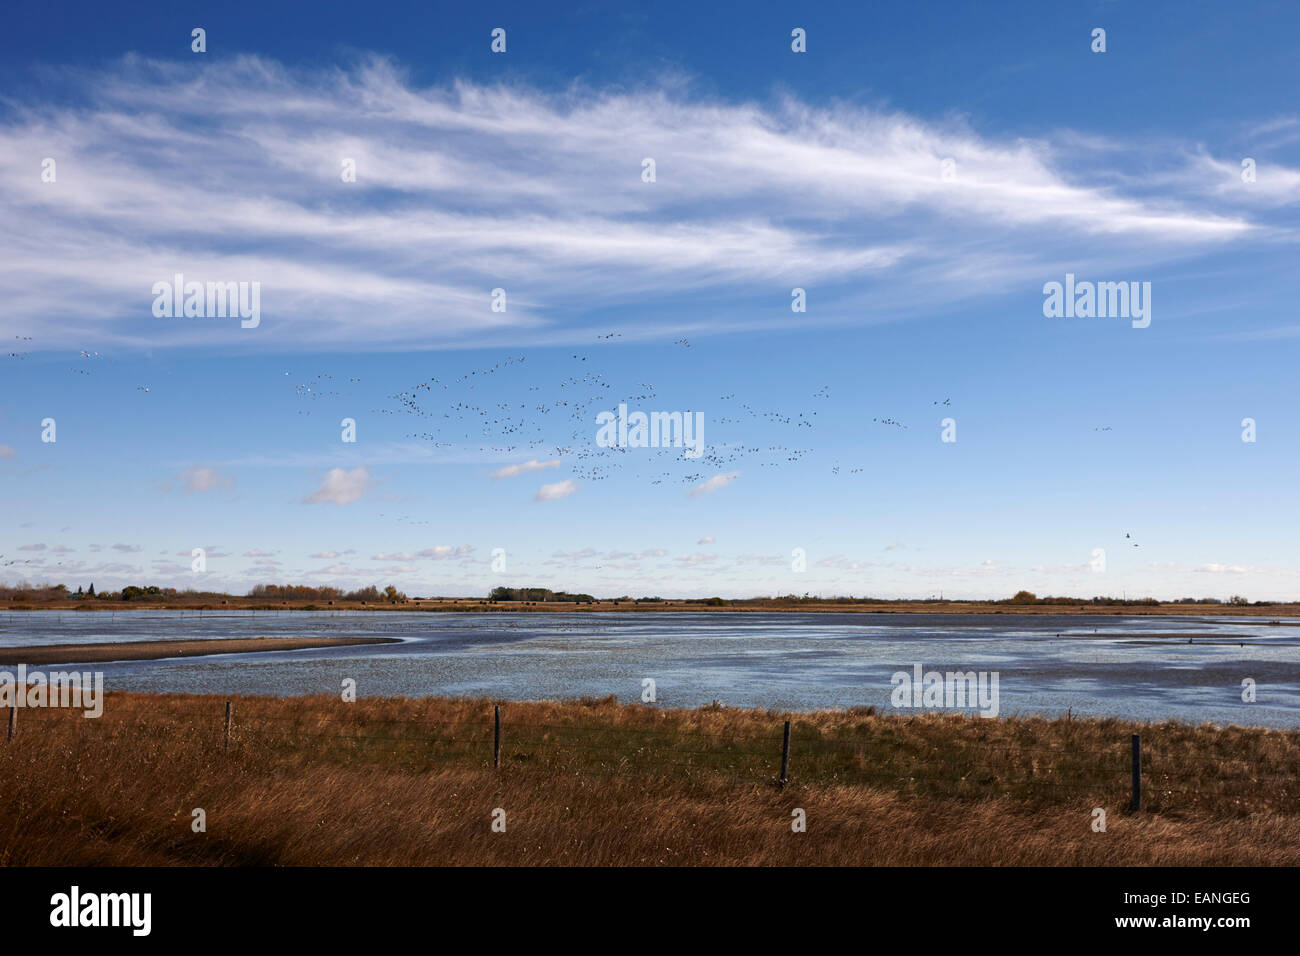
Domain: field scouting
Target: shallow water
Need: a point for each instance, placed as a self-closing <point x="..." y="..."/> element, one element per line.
<point x="1045" y="665"/>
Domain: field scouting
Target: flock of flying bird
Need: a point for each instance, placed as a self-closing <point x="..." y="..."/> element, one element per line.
<point x="510" y="415"/>
<point x="557" y="417"/>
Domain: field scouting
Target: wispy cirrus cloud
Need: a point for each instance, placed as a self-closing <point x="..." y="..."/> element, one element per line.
<point x="533" y="190"/>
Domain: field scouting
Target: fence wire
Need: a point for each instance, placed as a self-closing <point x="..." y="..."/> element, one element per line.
<point x="862" y="755"/>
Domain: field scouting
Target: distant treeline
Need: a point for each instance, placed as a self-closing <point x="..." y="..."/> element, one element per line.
<point x="1019" y="598"/>
<point x="46" y="593"/>
<point x="1028" y="597"/>
<point x="302" y="592"/>
<point x="538" y="594"/>
<point x="29" y="595"/>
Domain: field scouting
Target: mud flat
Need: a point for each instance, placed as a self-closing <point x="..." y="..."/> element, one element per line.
<point x="159" y="650"/>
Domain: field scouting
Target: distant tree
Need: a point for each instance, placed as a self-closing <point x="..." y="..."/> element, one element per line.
<point x="1024" y="597"/>
<point x="91" y="592"/>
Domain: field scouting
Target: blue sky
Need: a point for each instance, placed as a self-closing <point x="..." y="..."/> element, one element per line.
<point x="774" y="170"/>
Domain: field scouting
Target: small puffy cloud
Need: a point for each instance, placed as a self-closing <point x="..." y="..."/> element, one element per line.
<point x="128" y="548"/>
<point x="7" y="452"/>
<point x="342" y="487"/>
<point x="258" y="553"/>
<point x="510" y="471"/>
<point x="326" y="554"/>
<point x="32" y="547"/>
<point x="561" y="489"/>
<point x="711" y="485"/>
<point x="707" y="539"/>
<point x="197" y="479"/>
<point x="393" y="556"/>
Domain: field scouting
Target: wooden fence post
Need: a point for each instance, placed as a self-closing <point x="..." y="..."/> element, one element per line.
<point x="785" y="754"/>
<point x="13" y="720"/>
<point x="496" y="736"/>
<point x="1137" y="774"/>
<point x="227" y="725"/>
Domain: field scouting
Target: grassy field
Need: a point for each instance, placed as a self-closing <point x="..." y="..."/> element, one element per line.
<point x="316" y="781"/>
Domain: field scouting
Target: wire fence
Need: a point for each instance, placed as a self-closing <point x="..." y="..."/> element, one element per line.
<point x="1163" y="772"/>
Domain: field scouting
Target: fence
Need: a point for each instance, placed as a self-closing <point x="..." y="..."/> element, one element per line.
<point x="884" y="752"/>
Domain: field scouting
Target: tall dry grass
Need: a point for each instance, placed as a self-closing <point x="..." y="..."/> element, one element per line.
<point x="315" y="781"/>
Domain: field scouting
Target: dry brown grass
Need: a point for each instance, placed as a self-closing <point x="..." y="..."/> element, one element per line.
<point x="315" y="781"/>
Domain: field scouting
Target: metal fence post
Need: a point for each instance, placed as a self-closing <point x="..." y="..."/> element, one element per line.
<point x="785" y="754"/>
<point x="227" y="725"/>
<point x="1137" y="773"/>
<point x="496" y="736"/>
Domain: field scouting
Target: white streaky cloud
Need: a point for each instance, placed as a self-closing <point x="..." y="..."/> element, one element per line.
<point x="561" y="489"/>
<point x="707" y="539"/>
<point x="342" y="487"/>
<point x="710" y="485"/>
<point x="1274" y="185"/>
<point x="510" y="471"/>
<point x="542" y="186"/>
